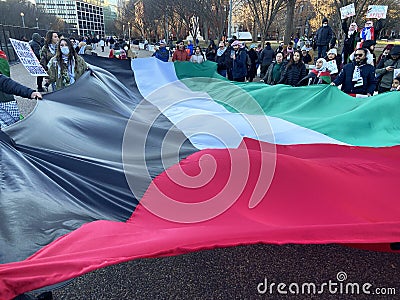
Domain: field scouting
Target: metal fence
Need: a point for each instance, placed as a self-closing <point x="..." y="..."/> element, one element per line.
<point x="18" y="33"/>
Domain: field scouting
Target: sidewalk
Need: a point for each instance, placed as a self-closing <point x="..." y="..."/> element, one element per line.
<point x="21" y="75"/>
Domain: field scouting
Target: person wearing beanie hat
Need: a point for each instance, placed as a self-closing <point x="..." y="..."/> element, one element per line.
<point x="334" y="62"/>
<point x="324" y="38"/>
<point x="387" y="71"/>
<point x="36" y="44"/>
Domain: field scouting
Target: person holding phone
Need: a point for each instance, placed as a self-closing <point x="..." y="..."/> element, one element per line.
<point x="387" y="71"/>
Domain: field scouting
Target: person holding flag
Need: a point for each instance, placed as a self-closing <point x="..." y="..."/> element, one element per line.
<point x="319" y="75"/>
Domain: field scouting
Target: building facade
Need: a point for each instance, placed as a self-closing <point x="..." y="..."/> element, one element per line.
<point x="85" y="17"/>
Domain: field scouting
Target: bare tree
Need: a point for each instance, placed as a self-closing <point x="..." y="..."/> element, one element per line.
<point x="264" y="12"/>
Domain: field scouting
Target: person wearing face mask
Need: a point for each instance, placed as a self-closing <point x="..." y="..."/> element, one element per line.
<point x="324" y="38"/>
<point x="350" y="40"/>
<point x="319" y="75"/>
<point x="358" y="77"/>
<point x="180" y="53"/>
<point x="66" y="66"/>
<point x="294" y="71"/>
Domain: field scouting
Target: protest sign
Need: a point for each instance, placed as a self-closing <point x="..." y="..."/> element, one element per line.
<point x="377" y="11"/>
<point x="28" y="58"/>
<point x="347" y="11"/>
<point x="396" y="72"/>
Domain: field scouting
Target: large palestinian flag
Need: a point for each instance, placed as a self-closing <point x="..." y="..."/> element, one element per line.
<point x="172" y="158"/>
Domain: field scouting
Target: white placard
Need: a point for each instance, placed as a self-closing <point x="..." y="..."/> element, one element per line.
<point x="396" y="72"/>
<point x="347" y="11"/>
<point x="28" y="58"/>
<point x="332" y="67"/>
<point x="377" y="11"/>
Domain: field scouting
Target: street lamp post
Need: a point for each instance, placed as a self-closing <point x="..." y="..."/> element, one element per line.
<point x="37" y="23"/>
<point x="230" y="20"/>
<point x="23" y="20"/>
<point x="129" y="32"/>
<point x="123" y="30"/>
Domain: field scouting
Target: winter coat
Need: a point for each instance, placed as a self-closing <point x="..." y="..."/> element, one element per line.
<point x="45" y="56"/>
<point x="324" y="36"/>
<point x="36" y="45"/>
<point x="180" y="55"/>
<point x="267" y="56"/>
<point x="293" y="73"/>
<point x="9" y="87"/>
<point x="197" y="58"/>
<point x="239" y="68"/>
<point x="349" y="43"/>
<point x="387" y="77"/>
<point x="222" y="60"/>
<point x="345" y="77"/>
<point x="62" y="79"/>
<point x="211" y="53"/>
<point x="269" y="78"/>
<point x="162" y="54"/>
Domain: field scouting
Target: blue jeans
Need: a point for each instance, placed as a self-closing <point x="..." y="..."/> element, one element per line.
<point x="322" y="51"/>
<point x="222" y="73"/>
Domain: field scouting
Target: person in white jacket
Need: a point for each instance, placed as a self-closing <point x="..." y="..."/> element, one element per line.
<point x="198" y="56"/>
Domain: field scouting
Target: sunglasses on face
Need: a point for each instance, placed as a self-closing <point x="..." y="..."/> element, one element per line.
<point x="358" y="55"/>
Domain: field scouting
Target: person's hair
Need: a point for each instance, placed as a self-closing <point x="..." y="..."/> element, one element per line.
<point x="49" y="37"/>
<point x="201" y="52"/>
<point x="291" y="62"/>
<point x="71" y="55"/>
<point x="397" y="78"/>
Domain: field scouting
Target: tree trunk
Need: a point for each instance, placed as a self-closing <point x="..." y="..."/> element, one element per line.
<point x="289" y="21"/>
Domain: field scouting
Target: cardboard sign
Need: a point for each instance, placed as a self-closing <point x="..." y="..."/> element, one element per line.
<point x="332" y="67"/>
<point x="377" y="11"/>
<point x="396" y="72"/>
<point x="28" y="58"/>
<point x="347" y="11"/>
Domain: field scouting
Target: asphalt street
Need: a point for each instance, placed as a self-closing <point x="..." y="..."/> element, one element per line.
<point x="241" y="272"/>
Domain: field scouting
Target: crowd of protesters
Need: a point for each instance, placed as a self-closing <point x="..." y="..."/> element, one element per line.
<point x="356" y="69"/>
<point x="304" y="62"/>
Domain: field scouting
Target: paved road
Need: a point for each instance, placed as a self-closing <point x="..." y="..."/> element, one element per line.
<point x="231" y="273"/>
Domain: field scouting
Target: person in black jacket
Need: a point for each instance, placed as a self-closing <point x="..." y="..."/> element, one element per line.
<point x="350" y="40"/>
<point x="9" y="112"/>
<point x="221" y="58"/>
<point x="36" y="44"/>
<point x="324" y="38"/>
<point x="294" y="71"/>
<point x="267" y="55"/>
<point x="9" y="87"/>
<point x="357" y="77"/>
